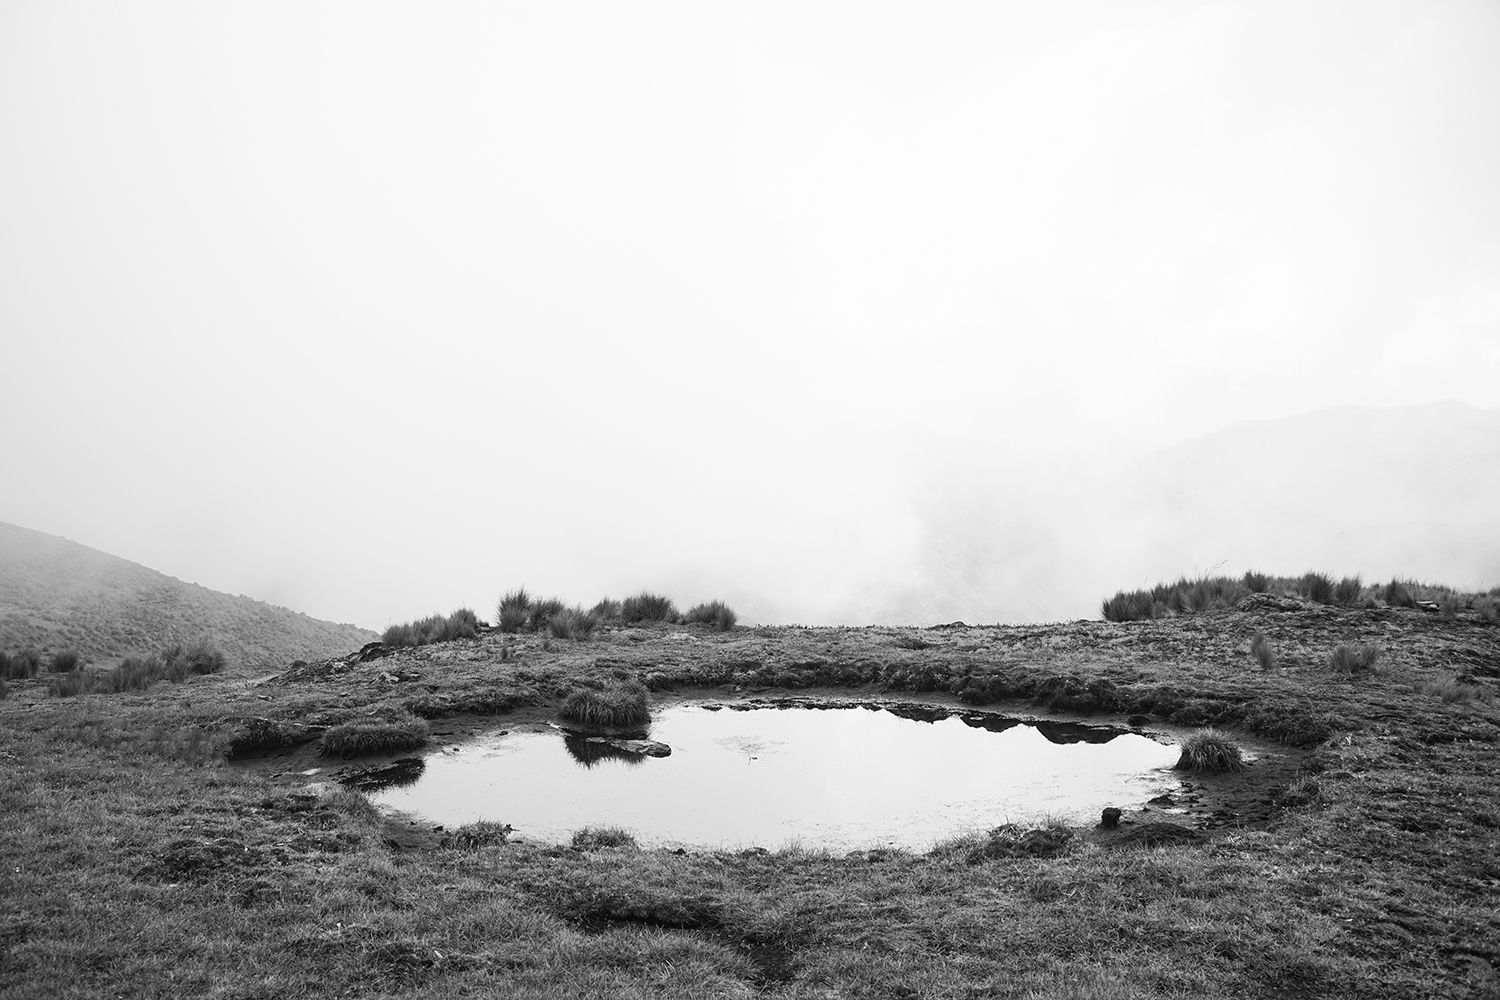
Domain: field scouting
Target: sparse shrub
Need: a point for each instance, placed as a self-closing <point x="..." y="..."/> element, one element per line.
<point x="202" y="656"/>
<point x="1255" y="582"/>
<point x="1209" y="751"/>
<point x="1260" y="648"/>
<point x="606" y="610"/>
<point x="647" y="607"/>
<point x="362" y="737"/>
<point x="621" y="706"/>
<point x="715" y="613"/>
<point x="474" y="836"/>
<point x="572" y="623"/>
<point x="593" y="838"/>
<point x="1355" y="659"/>
<point x="1347" y="591"/>
<point x="1316" y="587"/>
<point x="64" y="662"/>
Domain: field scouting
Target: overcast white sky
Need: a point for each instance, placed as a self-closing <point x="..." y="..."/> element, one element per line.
<point x="372" y="309"/>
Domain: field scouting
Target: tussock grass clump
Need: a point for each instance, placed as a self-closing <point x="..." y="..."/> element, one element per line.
<point x="606" y="610"/>
<point x="715" y="613"/>
<point x="64" y="662"/>
<point x="201" y="656"/>
<point x="1209" y="751"/>
<point x="480" y="834"/>
<point x="362" y="737"/>
<point x="594" y="838"/>
<point x="461" y="624"/>
<point x="1185" y="596"/>
<point x="572" y="623"/>
<point x="1255" y="582"/>
<point x="620" y="706"/>
<point x="1457" y="690"/>
<point x="514" y="610"/>
<point x="1008" y="842"/>
<point x="1316" y="587"/>
<point x="69" y="685"/>
<point x="648" y="607"/>
<point x="19" y="666"/>
<point x="1354" y="659"/>
<point x="4" y="688"/>
<point x="1260" y="648"/>
<point x="1347" y="590"/>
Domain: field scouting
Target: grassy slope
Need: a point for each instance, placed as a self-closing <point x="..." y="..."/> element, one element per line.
<point x="138" y="863"/>
<point x="58" y="594"/>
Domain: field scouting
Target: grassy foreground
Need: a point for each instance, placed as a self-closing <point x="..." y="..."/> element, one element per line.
<point x="139" y="862"/>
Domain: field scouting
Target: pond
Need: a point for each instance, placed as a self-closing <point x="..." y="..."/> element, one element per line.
<point x="836" y="778"/>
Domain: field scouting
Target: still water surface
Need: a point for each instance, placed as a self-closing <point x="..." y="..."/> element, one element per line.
<point x="835" y="778"/>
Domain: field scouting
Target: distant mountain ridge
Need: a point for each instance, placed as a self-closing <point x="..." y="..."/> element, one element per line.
<point x="55" y="594"/>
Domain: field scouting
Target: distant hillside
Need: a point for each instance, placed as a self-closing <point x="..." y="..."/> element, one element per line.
<point x="55" y="593"/>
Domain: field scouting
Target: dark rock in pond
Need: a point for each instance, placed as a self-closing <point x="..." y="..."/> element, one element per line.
<point x="1111" y="818"/>
<point x="1063" y="733"/>
<point x="590" y="750"/>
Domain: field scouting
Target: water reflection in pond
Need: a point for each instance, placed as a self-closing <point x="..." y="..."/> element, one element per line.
<point x="835" y="778"/>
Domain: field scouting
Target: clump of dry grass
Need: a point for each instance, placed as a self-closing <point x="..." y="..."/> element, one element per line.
<point x="64" y="662"/>
<point x="1458" y="689"/>
<point x="361" y="737"/>
<point x="1354" y="659"/>
<point x="620" y="706"/>
<point x="1209" y="751"/>
<point x="1260" y="648"/>
<point x="572" y="623"/>
<point x="715" y="613"/>
<point x="20" y="666"/>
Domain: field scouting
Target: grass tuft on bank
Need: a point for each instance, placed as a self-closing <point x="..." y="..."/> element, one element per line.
<point x="370" y="736"/>
<point x="460" y="624"/>
<point x="1210" y="752"/>
<point x="614" y="706"/>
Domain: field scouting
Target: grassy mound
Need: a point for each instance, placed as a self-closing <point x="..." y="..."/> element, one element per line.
<point x="1209" y="751"/>
<point x="363" y="737"/>
<point x="621" y="706"/>
<point x="647" y="607"/>
<point x="594" y="838"/>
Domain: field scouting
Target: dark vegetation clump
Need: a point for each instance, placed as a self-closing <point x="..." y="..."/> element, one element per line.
<point x="477" y="835"/>
<point x="1347" y="591"/>
<point x="1186" y="596"/>
<point x="606" y="610"/>
<point x="1351" y="660"/>
<point x="619" y="706"/>
<point x="514" y="610"/>
<point x="1260" y="648"/>
<point x="1209" y="751"/>
<point x="648" y="607"/>
<point x="1193" y="595"/>
<point x="461" y="624"/>
<point x="1256" y="582"/>
<point x="257" y="735"/>
<point x="362" y="737"/>
<point x="1316" y="587"/>
<point x="540" y="616"/>
<point x="594" y="838"/>
<point x="20" y="666"/>
<point x="64" y="662"/>
<point x="715" y="613"/>
<point x="1458" y="689"/>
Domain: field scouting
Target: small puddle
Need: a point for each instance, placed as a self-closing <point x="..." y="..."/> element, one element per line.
<point x="835" y="778"/>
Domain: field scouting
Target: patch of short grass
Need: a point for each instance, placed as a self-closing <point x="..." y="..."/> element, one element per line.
<point x="714" y="613"/>
<point x="1211" y="752"/>
<point x="594" y="838"/>
<point x="364" y="737"/>
<point x="615" y="706"/>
